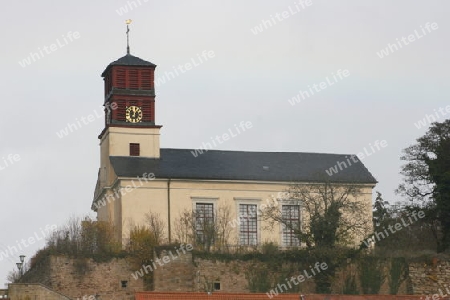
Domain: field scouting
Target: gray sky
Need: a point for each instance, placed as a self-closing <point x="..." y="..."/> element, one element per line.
<point x="250" y="78"/>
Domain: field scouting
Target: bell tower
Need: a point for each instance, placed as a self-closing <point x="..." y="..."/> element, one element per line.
<point x="129" y="93"/>
<point x="130" y="128"/>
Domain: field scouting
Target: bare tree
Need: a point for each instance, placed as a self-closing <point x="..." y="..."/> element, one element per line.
<point x="203" y="228"/>
<point x="331" y="213"/>
<point x="157" y="226"/>
<point x="184" y="226"/>
<point x="83" y="237"/>
<point x="14" y="275"/>
<point x="223" y="229"/>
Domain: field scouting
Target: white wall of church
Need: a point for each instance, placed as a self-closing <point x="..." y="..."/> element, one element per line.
<point x="118" y="141"/>
<point x="152" y="196"/>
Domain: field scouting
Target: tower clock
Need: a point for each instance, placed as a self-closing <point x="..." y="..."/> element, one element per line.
<point x="133" y="114"/>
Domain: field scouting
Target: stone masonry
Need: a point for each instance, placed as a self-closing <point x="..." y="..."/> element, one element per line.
<point x="76" y="278"/>
<point x="33" y="292"/>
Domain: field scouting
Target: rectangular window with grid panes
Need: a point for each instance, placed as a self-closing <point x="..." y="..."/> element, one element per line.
<point x="291" y="225"/>
<point x="248" y="229"/>
<point x="204" y="223"/>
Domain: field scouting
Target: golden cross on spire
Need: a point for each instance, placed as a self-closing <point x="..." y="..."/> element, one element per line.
<point x="128" y="22"/>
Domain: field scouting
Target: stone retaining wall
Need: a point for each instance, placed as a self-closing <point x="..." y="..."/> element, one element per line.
<point x="76" y="278"/>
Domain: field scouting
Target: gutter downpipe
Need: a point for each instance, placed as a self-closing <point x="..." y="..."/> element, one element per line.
<point x="168" y="210"/>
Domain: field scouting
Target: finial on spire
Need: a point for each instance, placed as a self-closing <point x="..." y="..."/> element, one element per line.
<point x="128" y="22"/>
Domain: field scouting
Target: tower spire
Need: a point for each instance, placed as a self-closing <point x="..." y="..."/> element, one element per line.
<point x="128" y="22"/>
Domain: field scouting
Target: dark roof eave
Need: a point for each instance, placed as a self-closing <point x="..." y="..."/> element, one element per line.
<point x="129" y="60"/>
<point x="374" y="182"/>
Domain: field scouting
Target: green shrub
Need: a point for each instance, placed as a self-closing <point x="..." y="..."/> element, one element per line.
<point x="371" y="274"/>
<point x="350" y="287"/>
<point x="397" y="274"/>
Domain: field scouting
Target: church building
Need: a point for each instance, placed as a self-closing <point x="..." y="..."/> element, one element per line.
<point x="138" y="177"/>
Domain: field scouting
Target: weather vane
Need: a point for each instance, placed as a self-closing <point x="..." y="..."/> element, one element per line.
<point x="128" y="22"/>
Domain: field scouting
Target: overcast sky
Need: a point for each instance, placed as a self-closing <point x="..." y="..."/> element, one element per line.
<point x="250" y="77"/>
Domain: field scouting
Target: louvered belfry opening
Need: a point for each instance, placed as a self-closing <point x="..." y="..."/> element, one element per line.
<point x="133" y="78"/>
<point x="129" y="81"/>
<point x="123" y="102"/>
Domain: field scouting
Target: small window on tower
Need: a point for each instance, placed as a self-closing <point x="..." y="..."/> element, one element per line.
<point x="135" y="150"/>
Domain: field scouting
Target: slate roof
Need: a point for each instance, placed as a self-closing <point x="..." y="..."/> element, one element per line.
<point x="129" y="60"/>
<point x="241" y="165"/>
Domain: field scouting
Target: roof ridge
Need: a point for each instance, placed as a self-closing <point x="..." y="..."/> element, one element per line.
<point x="252" y="151"/>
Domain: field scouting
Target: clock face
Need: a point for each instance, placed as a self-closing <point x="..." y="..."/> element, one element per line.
<point x="134" y="114"/>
